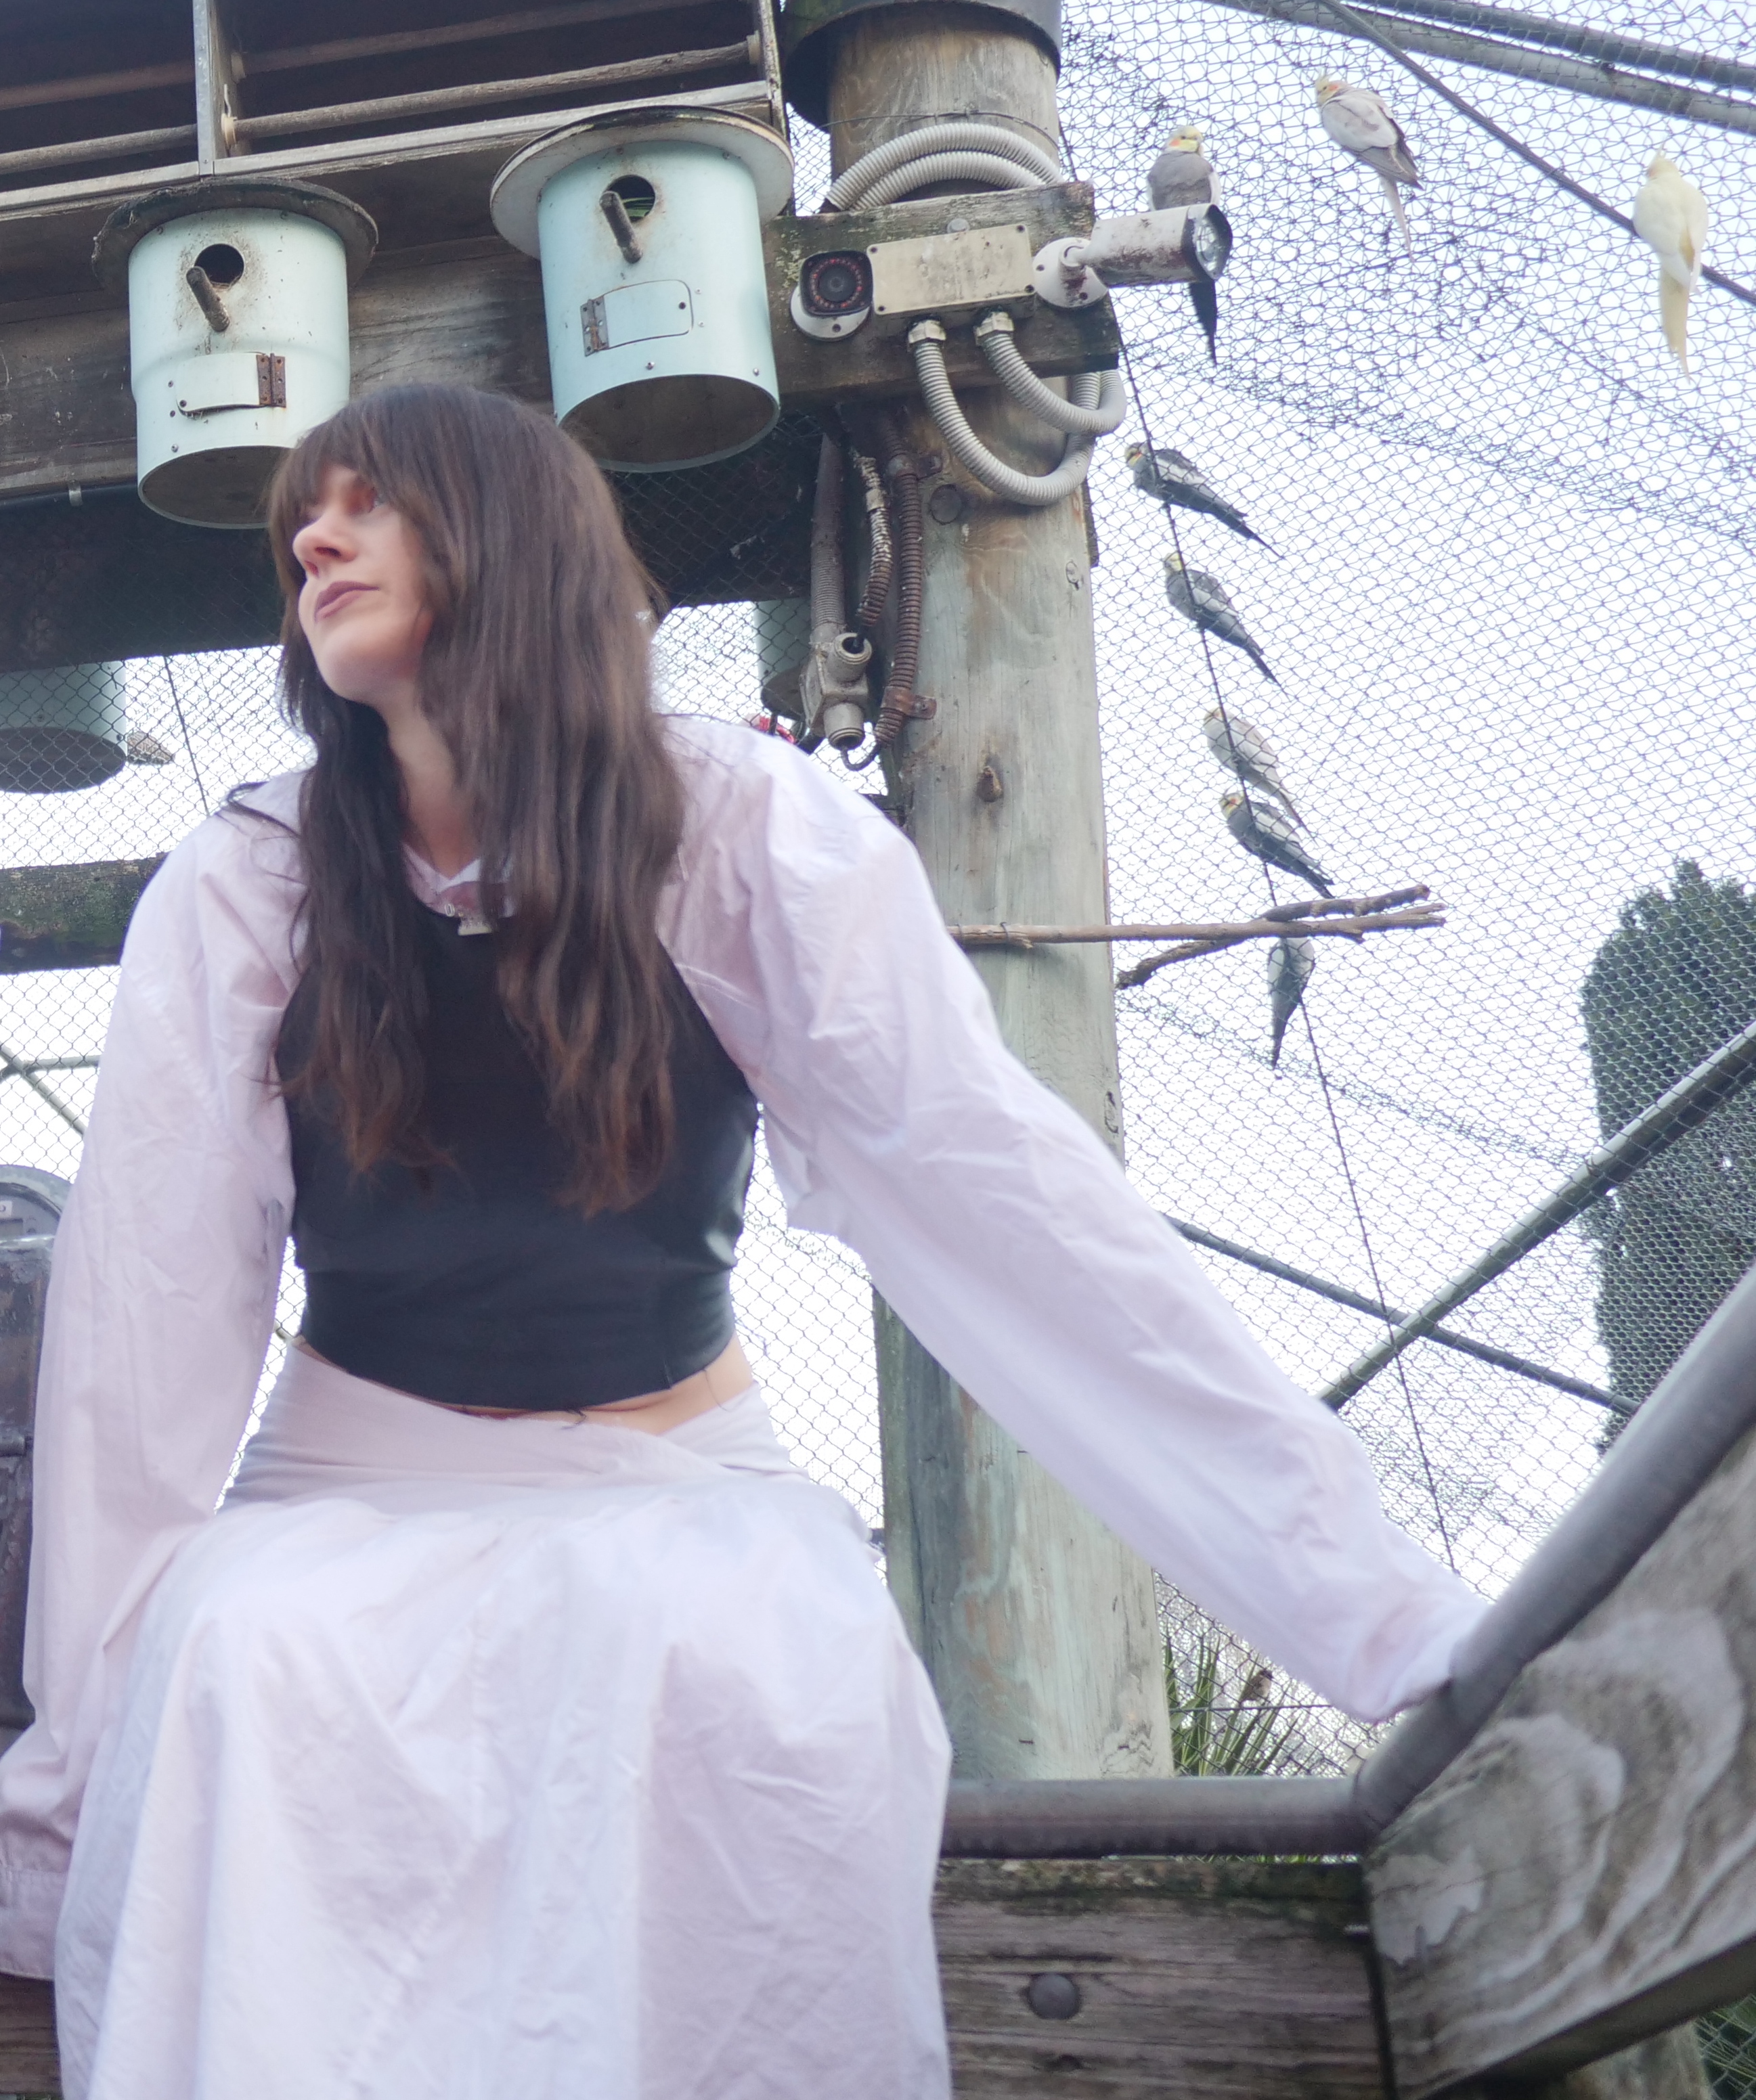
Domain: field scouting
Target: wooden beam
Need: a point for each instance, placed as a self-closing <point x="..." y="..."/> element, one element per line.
<point x="1234" y="1979"/>
<point x="476" y="95"/>
<point x="216" y="96"/>
<point x="1584" y="1876"/>
<point x="71" y="918"/>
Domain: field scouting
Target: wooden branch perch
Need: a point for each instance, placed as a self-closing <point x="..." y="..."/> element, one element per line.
<point x="1337" y="918"/>
<point x="1354" y="918"/>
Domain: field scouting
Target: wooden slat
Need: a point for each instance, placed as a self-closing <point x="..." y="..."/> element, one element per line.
<point x="29" y="2063"/>
<point x="1234" y="1980"/>
<point x="1585" y="1875"/>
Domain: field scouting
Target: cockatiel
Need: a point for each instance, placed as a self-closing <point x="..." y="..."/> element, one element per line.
<point x="1183" y="175"/>
<point x="1174" y="478"/>
<point x="1261" y="829"/>
<point x="1670" y="217"/>
<point x="1291" y="962"/>
<point x="1244" y="750"/>
<point x="1361" y="123"/>
<point x="1197" y="597"/>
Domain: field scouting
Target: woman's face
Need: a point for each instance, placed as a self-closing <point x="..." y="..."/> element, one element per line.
<point x="363" y="606"/>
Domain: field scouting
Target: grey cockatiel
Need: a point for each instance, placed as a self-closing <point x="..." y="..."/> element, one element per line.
<point x="1242" y="749"/>
<point x="1197" y="597"/>
<point x="1291" y="962"/>
<point x="1361" y="123"/>
<point x="1174" y="478"/>
<point x="1183" y="175"/>
<point x="1263" y="830"/>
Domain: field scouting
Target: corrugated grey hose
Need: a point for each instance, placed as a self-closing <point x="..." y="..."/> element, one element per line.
<point x="1017" y="164"/>
<point x="994" y="334"/>
<point x="1035" y="492"/>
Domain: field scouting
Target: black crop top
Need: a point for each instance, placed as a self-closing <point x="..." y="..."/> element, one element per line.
<point x="472" y="1283"/>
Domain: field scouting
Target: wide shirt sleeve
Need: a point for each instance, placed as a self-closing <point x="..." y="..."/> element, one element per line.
<point x="1004" y="1234"/>
<point x="161" y="1303"/>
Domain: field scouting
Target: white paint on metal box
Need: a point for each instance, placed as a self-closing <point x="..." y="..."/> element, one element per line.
<point x="949" y="272"/>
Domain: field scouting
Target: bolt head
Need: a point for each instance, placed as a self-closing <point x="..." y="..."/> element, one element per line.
<point x="1053" y="1997"/>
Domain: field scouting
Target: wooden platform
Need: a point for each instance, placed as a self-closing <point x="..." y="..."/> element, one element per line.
<point x="1234" y="1979"/>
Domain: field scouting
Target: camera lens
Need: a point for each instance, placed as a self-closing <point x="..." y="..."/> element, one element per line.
<point x="832" y="285"/>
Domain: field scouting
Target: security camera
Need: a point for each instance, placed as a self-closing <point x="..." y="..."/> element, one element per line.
<point x="834" y="294"/>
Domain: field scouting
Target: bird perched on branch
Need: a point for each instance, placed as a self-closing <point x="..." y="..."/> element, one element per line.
<point x="1244" y="750"/>
<point x="1183" y="175"/>
<point x="1670" y="217"/>
<point x="1197" y="597"/>
<point x="1291" y="964"/>
<point x="1261" y="829"/>
<point x="1361" y="123"/>
<point x="1174" y="478"/>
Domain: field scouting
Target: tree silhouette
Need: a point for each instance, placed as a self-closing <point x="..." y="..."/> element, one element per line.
<point x="1674" y="981"/>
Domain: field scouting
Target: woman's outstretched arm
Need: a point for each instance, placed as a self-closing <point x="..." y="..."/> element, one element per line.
<point x="1006" y="1236"/>
<point x="160" y="1308"/>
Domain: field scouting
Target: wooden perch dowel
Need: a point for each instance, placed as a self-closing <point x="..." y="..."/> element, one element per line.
<point x="1353" y="917"/>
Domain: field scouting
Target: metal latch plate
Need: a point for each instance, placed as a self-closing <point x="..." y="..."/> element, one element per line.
<point x="637" y="313"/>
<point x="945" y="272"/>
<point x="231" y="379"/>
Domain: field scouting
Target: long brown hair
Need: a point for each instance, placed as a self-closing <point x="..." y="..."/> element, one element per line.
<point x="536" y="676"/>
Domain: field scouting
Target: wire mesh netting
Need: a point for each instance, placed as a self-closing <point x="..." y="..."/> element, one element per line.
<point x="1505" y="558"/>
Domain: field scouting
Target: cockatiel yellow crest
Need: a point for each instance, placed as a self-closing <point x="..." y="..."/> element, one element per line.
<point x="1670" y="217"/>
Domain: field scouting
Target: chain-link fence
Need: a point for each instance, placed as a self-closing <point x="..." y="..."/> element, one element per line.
<point x="1507" y="558"/>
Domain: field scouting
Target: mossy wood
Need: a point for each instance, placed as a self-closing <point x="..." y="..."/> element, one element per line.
<point x="68" y="918"/>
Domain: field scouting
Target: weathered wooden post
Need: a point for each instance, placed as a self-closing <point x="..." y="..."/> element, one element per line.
<point x="1039" y="1629"/>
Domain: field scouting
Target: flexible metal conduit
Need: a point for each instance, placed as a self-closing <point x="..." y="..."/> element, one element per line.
<point x="1022" y="160"/>
<point x="898" y="701"/>
<point x="1656" y="1466"/>
<point x="1035" y="492"/>
<point x="994" y="333"/>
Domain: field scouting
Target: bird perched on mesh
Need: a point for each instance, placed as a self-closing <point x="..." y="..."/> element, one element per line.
<point x="1183" y="175"/>
<point x="1291" y="962"/>
<point x="1197" y="597"/>
<point x="1361" y="123"/>
<point x="1242" y="749"/>
<point x="1670" y="217"/>
<point x="1174" y="478"/>
<point x="1261" y="829"/>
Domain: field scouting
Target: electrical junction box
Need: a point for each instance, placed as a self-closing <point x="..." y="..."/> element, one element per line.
<point x="964" y="269"/>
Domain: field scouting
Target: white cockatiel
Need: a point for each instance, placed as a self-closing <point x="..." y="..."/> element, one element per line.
<point x="1670" y="217"/>
<point x="1361" y="123"/>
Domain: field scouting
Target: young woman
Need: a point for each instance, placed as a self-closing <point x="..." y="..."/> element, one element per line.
<point x="524" y="1723"/>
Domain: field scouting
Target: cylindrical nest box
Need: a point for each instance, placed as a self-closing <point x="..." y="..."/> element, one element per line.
<point x="649" y="229"/>
<point x="237" y="332"/>
<point x="62" y="730"/>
